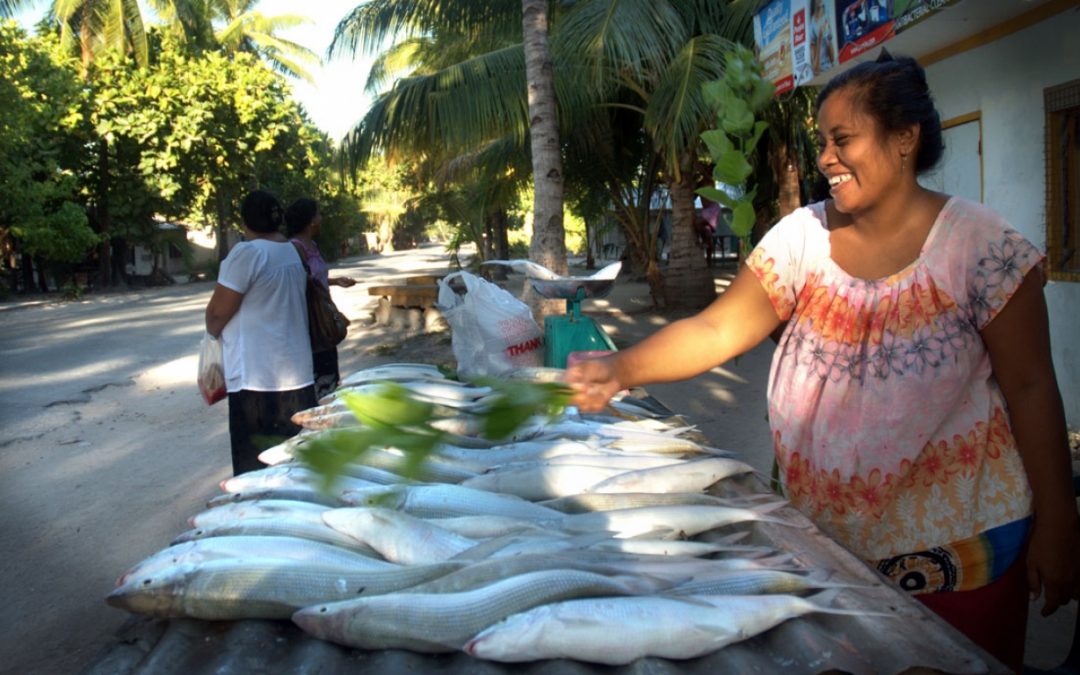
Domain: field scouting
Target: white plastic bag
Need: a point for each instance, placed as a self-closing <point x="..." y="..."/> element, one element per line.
<point x="492" y="331"/>
<point x="211" y="370"/>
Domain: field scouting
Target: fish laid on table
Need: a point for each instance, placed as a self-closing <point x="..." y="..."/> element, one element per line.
<point x="398" y="536"/>
<point x="753" y="582"/>
<point x="444" y="622"/>
<point x="396" y="372"/>
<point x="295" y="494"/>
<point x="536" y="481"/>
<point x="485" y="526"/>
<point x="258" y="588"/>
<point x="313" y="530"/>
<point x="616" y="631"/>
<point x="666" y="522"/>
<point x="263" y="508"/>
<point x="288" y="475"/>
<point x="592" y="501"/>
<point x="485" y="572"/>
<point x="213" y="548"/>
<point x="444" y="501"/>
<point x="690" y="476"/>
<point x="443" y="392"/>
<point x="479" y="460"/>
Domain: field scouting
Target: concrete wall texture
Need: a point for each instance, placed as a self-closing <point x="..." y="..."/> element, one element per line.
<point x="1004" y="81"/>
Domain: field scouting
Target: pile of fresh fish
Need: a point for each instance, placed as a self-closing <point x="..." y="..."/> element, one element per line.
<point x="590" y="538"/>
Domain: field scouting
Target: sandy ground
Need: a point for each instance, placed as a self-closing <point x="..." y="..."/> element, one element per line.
<point x="106" y="448"/>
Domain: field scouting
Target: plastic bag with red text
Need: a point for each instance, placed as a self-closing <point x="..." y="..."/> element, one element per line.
<point x="211" y="370"/>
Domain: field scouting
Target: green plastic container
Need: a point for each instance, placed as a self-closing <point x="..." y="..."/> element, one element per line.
<point x="572" y="333"/>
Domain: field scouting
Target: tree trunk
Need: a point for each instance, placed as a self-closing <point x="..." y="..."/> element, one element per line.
<point x="548" y="245"/>
<point x="688" y="282"/>
<point x="27" y="269"/>
<point x="102" y="216"/>
<point x="786" y="170"/>
<point x="499" y="243"/>
<point x="222" y="225"/>
<point x="386" y="236"/>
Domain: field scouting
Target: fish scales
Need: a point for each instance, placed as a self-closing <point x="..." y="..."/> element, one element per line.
<point x="258" y="588"/>
<point x="444" y="622"/>
<point x="617" y="631"/>
<point x="399" y="537"/>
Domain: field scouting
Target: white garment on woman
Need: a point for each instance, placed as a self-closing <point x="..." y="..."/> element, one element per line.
<point x="266" y="346"/>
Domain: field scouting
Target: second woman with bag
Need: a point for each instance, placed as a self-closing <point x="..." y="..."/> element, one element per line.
<point x="302" y="222"/>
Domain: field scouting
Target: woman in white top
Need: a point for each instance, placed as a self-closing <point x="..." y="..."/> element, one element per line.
<point x="259" y="311"/>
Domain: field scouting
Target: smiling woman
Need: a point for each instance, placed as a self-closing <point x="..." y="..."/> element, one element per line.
<point x="913" y="403"/>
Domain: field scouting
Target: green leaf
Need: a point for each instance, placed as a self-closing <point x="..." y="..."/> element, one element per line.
<point x="389" y="406"/>
<point x="742" y="218"/>
<point x="719" y="196"/>
<point x="717" y="143"/>
<point x="732" y="168"/>
<point x="738" y="119"/>
<point x="717" y="94"/>
<point x="751" y="143"/>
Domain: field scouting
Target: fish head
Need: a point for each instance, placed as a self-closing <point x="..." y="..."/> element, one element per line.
<point x="157" y="593"/>
<point x="325" y="621"/>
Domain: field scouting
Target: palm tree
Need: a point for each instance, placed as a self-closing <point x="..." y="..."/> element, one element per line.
<point x="251" y="31"/>
<point x="524" y="68"/>
<point x="9" y="8"/>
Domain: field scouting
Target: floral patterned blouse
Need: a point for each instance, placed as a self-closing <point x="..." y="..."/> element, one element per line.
<point x="889" y="429"/>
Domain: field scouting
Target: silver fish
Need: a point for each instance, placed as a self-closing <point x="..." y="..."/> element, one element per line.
<point x="443" y="501"/>
<point x="692" y="476"/>
<point x="313" y="530"/>
<point x="542" y="481"/>
<point x="258" y="588"/>
<point x="213" y="548"/>
<point x="443" y="622"/>
<point x="397" y="536"/>
<point x="666" y="522"/>
<point x="616" y="631"/>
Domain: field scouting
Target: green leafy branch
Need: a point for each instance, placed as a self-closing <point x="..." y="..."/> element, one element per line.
<point x="392" y="417"/>
<point x="738" y="100"/>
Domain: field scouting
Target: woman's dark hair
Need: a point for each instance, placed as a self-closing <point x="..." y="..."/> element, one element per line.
<point x="299" y="215"/>
<point x="261" y="211"/>
<point x="894" y="92"/>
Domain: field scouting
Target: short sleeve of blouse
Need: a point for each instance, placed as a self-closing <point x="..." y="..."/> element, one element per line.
<point x="238" y="269"/>
<point x="781" y="259"/>
<point x="1001" y="258"/>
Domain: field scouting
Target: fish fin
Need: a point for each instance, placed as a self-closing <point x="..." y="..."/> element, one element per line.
<point x="822" y="602"/>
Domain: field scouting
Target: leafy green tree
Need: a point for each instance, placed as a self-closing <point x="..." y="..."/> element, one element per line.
<point x="42" y="128"/>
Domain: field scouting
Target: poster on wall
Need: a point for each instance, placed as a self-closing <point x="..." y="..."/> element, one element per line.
<point x="865" y="24"/>
<point x="796" y="40"/>
<point x="772" y="36"/>
<point x="822" y="21"/>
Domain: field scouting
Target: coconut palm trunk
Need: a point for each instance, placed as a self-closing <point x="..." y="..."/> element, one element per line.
<point x="548" y="245"/>
<point x="689" y="283"/>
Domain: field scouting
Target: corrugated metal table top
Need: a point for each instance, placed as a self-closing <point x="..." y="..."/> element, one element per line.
<point x="909" y="639"/>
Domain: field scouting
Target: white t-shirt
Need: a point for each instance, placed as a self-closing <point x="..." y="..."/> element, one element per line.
<point x="265" y="345"/>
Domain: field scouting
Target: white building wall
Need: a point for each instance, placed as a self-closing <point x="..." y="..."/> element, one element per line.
<point x="1004" y="81"/>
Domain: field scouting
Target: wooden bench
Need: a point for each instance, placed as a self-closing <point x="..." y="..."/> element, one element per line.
<point x="417" y="291"/>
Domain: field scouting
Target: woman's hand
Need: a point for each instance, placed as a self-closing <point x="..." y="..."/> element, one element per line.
<point x="1053" y="557"/>
<point x="594" y="382"/>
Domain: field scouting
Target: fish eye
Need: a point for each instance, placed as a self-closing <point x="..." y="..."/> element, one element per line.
<point x="147" y="581"/>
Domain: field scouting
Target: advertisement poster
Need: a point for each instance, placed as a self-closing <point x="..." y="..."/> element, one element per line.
<point x="800" y="43"/>
<point x="822" y="21"/>
<point x="772" y="35"/>
<point x="865" y="24"/>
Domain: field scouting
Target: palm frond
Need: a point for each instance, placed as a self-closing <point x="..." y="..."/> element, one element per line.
<point x="391" y="63"/>
<point x="676" y="112"/>
<point x="371" y="25"/>
<point x="630" y="39"/>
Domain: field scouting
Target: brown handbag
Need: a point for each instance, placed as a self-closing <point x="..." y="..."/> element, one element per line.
<point x="326" y="324"/>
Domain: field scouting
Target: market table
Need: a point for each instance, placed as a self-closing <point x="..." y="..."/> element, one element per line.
<point x="909" y="638"/>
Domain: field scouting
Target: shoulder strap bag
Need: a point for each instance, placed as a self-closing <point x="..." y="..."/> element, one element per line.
<point x="326" y="324"/>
